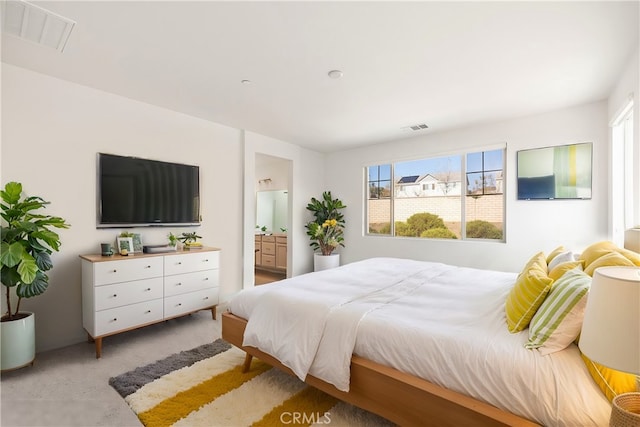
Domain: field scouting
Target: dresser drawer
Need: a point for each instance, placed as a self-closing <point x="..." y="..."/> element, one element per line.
<point x="281" y="240"/>
<point x="268" y="248"/>
<point x="128" y="316"/>
<point x="268" y="239"/>
<point x="269" y="260"/>
<point x="192" y="301"/>
<point x="189" y="282"/>
<point x="193" y="261"/>
<point x="110" y="296"/>
<point x="108" y="272"/>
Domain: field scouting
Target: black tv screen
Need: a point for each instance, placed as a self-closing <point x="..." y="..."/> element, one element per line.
<point x="560" y="172"/>
<point x="140" y="192"/>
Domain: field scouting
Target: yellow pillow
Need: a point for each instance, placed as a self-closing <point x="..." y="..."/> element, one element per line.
<point x="610" y="259"/>
<point x="530" y="290"/>
<point x="538" y="262"/>
<point x="634" y="257"/>
<point x="612" y="383"/>
<point x="597" y="250"/>
<point x="557" y="251"/>
<point x="560" y="269"/>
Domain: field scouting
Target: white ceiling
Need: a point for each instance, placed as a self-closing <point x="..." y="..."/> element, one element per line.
<point x="446" y="64"/>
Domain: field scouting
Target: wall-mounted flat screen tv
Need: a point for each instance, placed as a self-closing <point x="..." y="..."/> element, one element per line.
<point x="560" y="172"/>
<point x="136" y="192"/>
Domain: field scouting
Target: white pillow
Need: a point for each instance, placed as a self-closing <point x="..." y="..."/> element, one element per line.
<point x="558" y="321"/>
<point x="560" y="258"/>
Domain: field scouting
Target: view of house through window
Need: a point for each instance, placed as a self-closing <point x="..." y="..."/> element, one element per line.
<point x="451" y="197"/>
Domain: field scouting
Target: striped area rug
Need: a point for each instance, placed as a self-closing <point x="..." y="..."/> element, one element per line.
<point x="206" y="387"/>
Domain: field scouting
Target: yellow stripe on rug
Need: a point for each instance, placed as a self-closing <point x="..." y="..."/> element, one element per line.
<point x="310" y="406"/>
<point x="153" y="393"/>
<point x="248" y="403"/>
<point x="179" y="406"/>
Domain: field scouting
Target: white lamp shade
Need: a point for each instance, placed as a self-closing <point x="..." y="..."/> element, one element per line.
<point x="611" y="327"/>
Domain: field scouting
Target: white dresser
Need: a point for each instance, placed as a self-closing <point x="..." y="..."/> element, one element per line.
<point x="120" y="293"/>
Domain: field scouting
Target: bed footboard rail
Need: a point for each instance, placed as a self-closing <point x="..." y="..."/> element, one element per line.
<point x="399" y="397"/>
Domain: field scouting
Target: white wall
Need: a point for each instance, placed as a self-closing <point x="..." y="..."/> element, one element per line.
<point x="531" y="226"/>
<point x="51" y="132"/>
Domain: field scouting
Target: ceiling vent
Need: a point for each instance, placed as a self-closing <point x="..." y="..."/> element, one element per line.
<point x="33" y="23"/>
<point x="420" y="126"/>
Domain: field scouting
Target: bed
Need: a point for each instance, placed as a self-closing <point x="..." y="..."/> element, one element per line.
<point x="415" y="342"/>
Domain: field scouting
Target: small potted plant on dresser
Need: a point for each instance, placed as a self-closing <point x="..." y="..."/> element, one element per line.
<point x="27" y="243"/>
<point x="190" y="240"/>
<point x="326" y="230"/>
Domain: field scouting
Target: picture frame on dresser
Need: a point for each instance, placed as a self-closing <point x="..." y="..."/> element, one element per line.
<point x="125" y="243"/>
<point x="137" y="243"/>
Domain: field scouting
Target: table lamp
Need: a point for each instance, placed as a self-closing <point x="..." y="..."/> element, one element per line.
<point x="611" y="333"/>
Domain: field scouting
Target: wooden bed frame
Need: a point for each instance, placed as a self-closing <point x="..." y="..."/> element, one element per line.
<point x="399" y="397"/>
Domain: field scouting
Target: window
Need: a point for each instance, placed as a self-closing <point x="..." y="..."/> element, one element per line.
<point x="451" y="197"/>
<point x="485" y="195"/>
<point x="379" y="199"/>
<point x="622" y="155"/>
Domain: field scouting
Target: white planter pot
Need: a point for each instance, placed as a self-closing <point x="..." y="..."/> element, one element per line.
<point x="17" y="343"/>
<point x="324" y="262"/>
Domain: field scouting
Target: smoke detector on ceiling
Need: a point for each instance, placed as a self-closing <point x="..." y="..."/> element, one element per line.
<point x="35" y="24"/>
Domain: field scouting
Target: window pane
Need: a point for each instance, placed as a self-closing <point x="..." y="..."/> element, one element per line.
<point x="427" y="198"/>
<point x="493" y="160"/>
<point x="485" y="199"/>
<point x="385" y="172"/>
<point x="379" y="199"/>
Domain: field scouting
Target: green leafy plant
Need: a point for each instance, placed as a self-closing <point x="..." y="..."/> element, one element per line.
<point x="438" y="233"/>
<point x="27" y="243"/>
<point x="187" y="238"/>
<point x="326" y="231"/>
<point x="173" y="239"/>
<point x="479" y="229"/>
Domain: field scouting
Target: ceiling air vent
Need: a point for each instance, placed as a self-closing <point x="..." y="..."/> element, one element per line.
<point x="33" y="23"/>
<point x="420" y="126"/>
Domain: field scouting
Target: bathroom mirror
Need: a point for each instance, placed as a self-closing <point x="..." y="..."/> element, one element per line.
<point x="271" y="211"/>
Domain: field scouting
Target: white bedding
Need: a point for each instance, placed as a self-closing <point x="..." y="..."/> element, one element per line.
<point x="442" y="323"/>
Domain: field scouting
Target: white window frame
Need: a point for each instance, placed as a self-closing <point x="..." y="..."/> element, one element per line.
<point x="622" y="206"/>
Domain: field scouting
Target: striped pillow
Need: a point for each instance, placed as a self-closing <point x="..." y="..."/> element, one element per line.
<point x="558" y="321"/>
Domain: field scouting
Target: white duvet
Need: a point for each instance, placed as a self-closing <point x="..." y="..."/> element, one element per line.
<point x="442" y="323"/>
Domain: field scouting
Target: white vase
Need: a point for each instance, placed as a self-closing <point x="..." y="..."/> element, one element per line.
<point x="324" y="262"/>
<point x="17" y="343"/>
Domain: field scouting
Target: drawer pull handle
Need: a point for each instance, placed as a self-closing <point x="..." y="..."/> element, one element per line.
<point x="148" y="289"/>
<point x="206" y="278"/>
<point x="115" y="271"/>
<point x="148" y="311"/>
<point x="179" y="262"/>
<point x="205" y="298"/>
<point x="179" y="304"/>
<point x="115" y="319"/>
<point x="115" y="295"/>
<point x="148" y="266"/>
<point x="179" y="284"/>
<point x="205" y="260"/>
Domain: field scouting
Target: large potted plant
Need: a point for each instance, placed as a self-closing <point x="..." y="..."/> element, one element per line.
<point x="326" y="231"/>
<point x="27" y="243"/>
